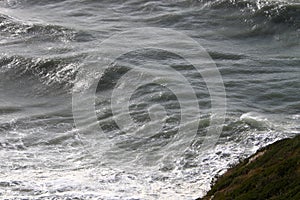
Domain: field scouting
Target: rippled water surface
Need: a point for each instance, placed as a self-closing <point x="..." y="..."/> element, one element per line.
<point x="44" y="45"/>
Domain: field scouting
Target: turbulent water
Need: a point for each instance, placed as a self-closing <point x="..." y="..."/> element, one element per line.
<point x="255" y="45"/>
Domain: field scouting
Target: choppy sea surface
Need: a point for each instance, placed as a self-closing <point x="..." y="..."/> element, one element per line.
<point x="255" y="45"/>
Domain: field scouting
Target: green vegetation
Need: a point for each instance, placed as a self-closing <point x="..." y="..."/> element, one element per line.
<point x="272" y="173"/>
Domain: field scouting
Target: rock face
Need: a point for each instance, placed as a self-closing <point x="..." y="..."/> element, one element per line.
<point x="272" y="173"/>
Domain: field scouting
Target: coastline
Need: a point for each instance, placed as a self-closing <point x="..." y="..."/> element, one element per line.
<point x="273" y="172"/>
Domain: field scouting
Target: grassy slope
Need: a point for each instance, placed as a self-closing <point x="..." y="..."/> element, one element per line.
<point x="275" y="174"/>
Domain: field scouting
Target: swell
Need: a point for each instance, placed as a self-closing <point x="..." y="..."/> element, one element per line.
<point x="263" y="11"/>
<point x="15" y="28"/>
<point x="52" y="73"/>
<point x="234" y="18"/>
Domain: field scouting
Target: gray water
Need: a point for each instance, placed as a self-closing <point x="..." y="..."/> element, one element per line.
<point x="44" y="44"/>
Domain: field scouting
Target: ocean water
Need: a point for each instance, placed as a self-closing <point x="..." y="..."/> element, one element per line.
<point x="76" y="122"/>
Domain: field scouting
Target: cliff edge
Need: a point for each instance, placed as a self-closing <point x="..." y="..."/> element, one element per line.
<point x="272" y="173"/>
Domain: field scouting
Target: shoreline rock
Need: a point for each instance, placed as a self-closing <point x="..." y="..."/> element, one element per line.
<point x="273" y="172"/>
